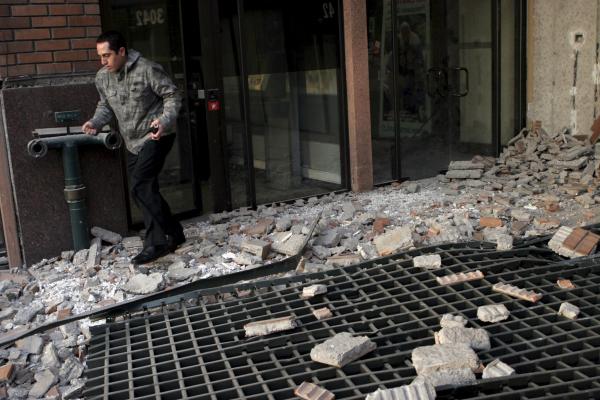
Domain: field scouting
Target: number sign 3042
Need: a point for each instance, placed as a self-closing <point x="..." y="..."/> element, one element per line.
<point x="150" y="16"/>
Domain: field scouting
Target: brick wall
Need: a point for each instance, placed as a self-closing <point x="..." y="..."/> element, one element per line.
<point x="40" y="37"/>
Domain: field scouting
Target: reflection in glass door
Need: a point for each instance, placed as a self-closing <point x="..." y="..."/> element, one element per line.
<point x="434" y="86"/>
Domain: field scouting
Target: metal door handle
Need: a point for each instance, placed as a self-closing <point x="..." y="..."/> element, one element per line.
<point x="457" y="93"/>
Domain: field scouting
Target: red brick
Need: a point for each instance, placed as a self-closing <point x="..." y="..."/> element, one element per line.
<point x="29" y="10"/>
<point x="67" y="33"/>
<point x="3" y="72"/>
<point x="54" y="68"/>
<point x="66" y="9"/>
<point x="93" y="31"/>
<point x="87" y="43"/>
<point x="6" y="372"/>
<point x="46" y="1"/>
<point x="32" y="34"/>
<point x="91" y="9"/>
<point x="86" y="66"/>
<point x="49" y="45"/>
<point x="3" y="47"/>
<point x="11" y="59"/>
<point x="6" y="35"/>
<point x="38" y="22"/>
<point x="379" y="224"/>
<point x="574" y="238"/>
<point x="490" y="222"/>
<point x="15" y="22"/>
<point x="39" y="57"/>
<point x="18" y="70"/>
<point x="71" y="55"/>
<point x="4" y="11"/>
<point x="84" y="20"/>
<point x="20" y="47"/>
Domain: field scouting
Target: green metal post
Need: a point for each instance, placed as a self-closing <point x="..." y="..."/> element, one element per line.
<point x="75" y="196"/>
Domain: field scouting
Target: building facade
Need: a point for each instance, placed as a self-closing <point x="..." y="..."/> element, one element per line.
<point x="283" y="99"/>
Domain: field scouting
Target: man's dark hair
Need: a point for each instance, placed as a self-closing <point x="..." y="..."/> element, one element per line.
<point x="115" y="40"/>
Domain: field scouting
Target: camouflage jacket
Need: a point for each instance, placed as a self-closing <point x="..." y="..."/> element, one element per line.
<point x="136" y="95"/>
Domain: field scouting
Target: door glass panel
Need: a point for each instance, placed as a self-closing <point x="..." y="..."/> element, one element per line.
<point x="153" y="28"/>
<point x="293" y="68"/>
<point x="508" y="89"/>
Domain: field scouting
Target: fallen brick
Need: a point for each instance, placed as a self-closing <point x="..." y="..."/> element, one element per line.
<point x="427" y="359"/>
<point x="393" y="241"/>
<point x="511" y="290"/>
<point x="574" y="238"/>
<point x="490" y="222"/>
<point x="462" y="165"/>
<point x="313" y="290"/>
<point x="266" y="327"/>
<point x="257" y="247"/>
<point x="493" y="313"/>
<point x="379" y="225"/>
<point x="565" y="284"/>
<point x="496" y="369"/>
<point x="106" y="235"/>
<point x="310" y="391"/>
<point x="6" y="372"/>
<point x="432" y="261"/>
<point x="568" y="310"/>
<point x="322" y="313"/>
<point x="342" y="349"/>
<point x="557" y="240"/>
<point x="587" y="245"/>
<point x="419" y="389"/>
<point x="477" y="339"/>
<point x="451" y="321"/>
<point x="453" y="279"/>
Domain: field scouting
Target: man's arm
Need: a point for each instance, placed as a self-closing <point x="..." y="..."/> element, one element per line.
<point x="103" y="115"/>
<point x="164" y="87"/>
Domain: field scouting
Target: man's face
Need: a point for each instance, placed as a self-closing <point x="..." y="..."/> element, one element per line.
<point x="113" y="61"/>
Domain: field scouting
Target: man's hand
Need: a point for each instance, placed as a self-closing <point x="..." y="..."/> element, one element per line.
<point x="156" y="125"/>
<point x="89" y="128"/>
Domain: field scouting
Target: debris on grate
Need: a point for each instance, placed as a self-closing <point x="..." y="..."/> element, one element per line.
<point x="432" y="261"/>
<point x="266" y="327"/>
<point x="493" y="313"/>
<point x="453" y="279"/>
<point x="6" y="372"/>
<point x="565" y="284"/>
<point x="419" y="389"/>
<point x="558" y="239"/>
<point x="258" y="247"/>
<point x="313" y="290"/>
<point x="310" y="391"/>
<point x="477" y="339"/>
<point x="573" y="243"/>
<point x="450" y="376"/>
<point x="452" y="321"/>
<point x="568" y="310"/>
<point x="427" y="359"/>
<point x="514" y="291"/>
<point x="496" y="369"/>
<point x="504" y="242"/>
<point x="322" y="313"/>
<point x="342" y="349"/>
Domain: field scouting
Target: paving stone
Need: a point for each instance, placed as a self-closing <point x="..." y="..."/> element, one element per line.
<point x="394" y="241"/>
<point x="106" y="235"/>
<point x="43" y="381"/>
<point x="565" y="284"/>
<point x="342" y="349"/>
<point x="504" y="242"/>
<point x="568" y="310"/>
<point x="266" y="327"/>
<point x="450" y="376"/>
<point x="514" y="291"/>
<point x="322" y="313"/>
<point x="454" y="279"/>
<point x="477" y="339"/>
<point x="31" y="344"/>
<point x="343" y="260"/>
<point x="496" y="369"/>
<point x="452" y="321"/>
<point x="310" y="391"/>
<point x="289" y="244"/>
<point x="493" y="313"/>
<point x="419" y="389"/>
<point x="427" y="359"/>
<point x="144" y="284"/>
<point x="313" y="290"/>
<point x="6" y="372"/>
<point x="431" y="261"/>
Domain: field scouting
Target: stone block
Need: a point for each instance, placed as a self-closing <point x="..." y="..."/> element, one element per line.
<point x="454" y="279"/>
<point x="462" y="165"/>
<point x="257" y="247"/>
<point x="322" y="313"/>
<point x="310" y="391"/>
<point x="394" y="241"/>
<point x="568" y="310"/>
<point x="266" y="327"/>
<point x="289" y="243"/>
<point x="464" y="174"/>
<point x="493" y="313"/>
<point x="343" y="260"/>
<point x="427" y="359"/>
<point x="450" y="376"/>
<point x="452" y="321"/>
<point x="430" y="261"/>
<point x="313" y="290"/>
<point x="477" y="339"/>
<point x="496" y="369"/>
<point x="106" y="235"/>
<point x="419" y="389"/>
<point x="514" y="291"/>
<point x="342" y="349"/>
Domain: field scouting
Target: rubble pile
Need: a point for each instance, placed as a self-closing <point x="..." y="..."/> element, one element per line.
<point x="540" y="182"/>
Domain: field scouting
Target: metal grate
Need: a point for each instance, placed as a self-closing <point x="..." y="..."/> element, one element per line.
<point x="196" y="350"/>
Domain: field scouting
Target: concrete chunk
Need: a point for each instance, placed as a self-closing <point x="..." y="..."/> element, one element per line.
<point x="427" y="359"/>
<point x="310" y="391"/>
<point x="322" y="313"/>
<point x="477" y="339"/>
<point x="493" y="313"/>
<point x="342" y="349"/>
<point x="568" y="310"/>
<point x="504" y="242"/>
<point x="464" y="174"/>
<point x="266" y="327"/>
<point x="496" y="369"/>
<point x="257" y="247"/>
<point x="313" y="290"/>
<point x="460" y="277"/>
<point x="565" y="284"/>
<point x="514" y="291"/>
<point x="432" y="261"/>
<point x="106" y="235"/>
<point x="343" y="260"/>
<point x="452" y="321"/>
<point x="420" y="389"/>
<point x="462" y="165"/>
<point x="290" y="244"/>
<point x="31" y="344"/>
<point x="43" y="381"/>
<point x="453" y="377"/>
<point x="394" y="241"/>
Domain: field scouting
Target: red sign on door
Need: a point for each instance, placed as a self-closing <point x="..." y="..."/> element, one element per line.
<point x="214" y="105"/>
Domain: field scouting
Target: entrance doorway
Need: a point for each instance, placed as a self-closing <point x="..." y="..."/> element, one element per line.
<point x="263" y="116"/>
<point x="445" y="81"/>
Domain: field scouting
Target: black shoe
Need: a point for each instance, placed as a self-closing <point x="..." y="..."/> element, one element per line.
<point x="151" y="253"/>
<point x="176" y="240"/>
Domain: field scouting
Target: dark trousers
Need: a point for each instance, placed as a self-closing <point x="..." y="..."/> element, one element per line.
<point x="143" y="169"/>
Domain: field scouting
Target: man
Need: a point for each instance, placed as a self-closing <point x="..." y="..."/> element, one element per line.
<point x="145" y="102"/>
